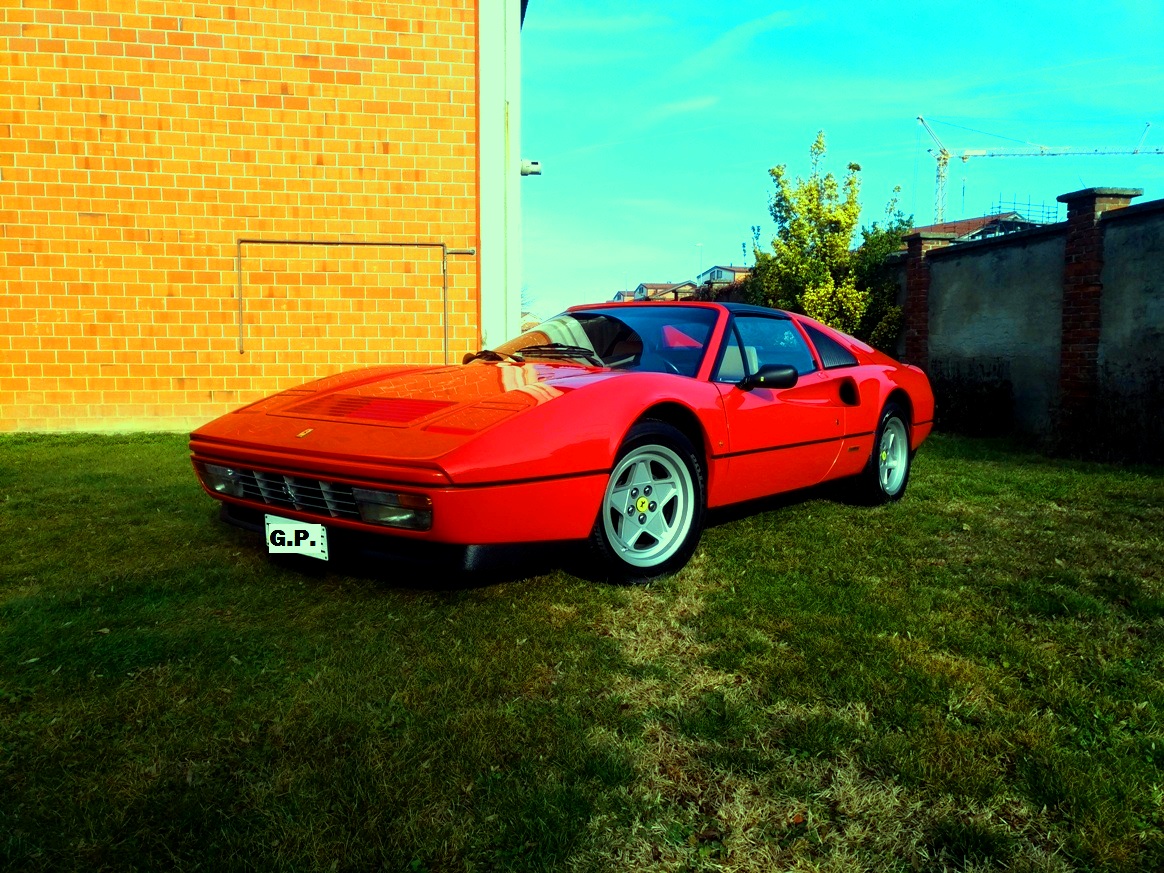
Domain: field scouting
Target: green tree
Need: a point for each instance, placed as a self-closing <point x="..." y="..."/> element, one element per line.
<point x="882" y="321"/>
<point x="813" y="268"/>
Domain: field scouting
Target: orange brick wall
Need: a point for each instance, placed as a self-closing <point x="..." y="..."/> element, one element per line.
<point x="140" y="140"/>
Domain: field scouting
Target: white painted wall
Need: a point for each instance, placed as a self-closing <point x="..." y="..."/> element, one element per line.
<point x="499" y="27"/>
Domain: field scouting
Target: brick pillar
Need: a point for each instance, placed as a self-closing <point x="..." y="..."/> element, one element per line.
<point x="917" y="294"/>
<point x="1082" y="297"/>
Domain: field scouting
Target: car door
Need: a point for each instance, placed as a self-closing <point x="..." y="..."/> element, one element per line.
<point x="778" y="439"/>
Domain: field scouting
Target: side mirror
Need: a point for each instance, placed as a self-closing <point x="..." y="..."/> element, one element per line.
<point x="770" y="376"/>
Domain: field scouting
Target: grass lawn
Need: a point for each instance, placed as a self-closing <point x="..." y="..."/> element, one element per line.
<point x="972" y="679"/>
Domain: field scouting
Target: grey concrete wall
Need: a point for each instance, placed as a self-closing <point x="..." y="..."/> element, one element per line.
<point x="1132" y="334"/>
<point x="1131" y="340"/>
<point x="995" y="316"/>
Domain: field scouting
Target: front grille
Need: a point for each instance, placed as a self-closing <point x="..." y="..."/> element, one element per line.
<point x="332" y="499"/>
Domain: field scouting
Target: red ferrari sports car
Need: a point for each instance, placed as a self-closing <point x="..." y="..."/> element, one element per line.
<point x="620" y="423"/>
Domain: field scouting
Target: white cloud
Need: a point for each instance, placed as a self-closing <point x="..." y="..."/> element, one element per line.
<point x="599" y="24"/>
<point x="668" y="111"/>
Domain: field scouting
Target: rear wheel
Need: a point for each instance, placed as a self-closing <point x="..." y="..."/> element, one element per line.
<point x="652" y="510"/>
<point x="887" y="473"/>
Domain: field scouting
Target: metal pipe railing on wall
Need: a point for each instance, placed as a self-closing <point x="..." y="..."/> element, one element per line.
<point x="445" y="252"/>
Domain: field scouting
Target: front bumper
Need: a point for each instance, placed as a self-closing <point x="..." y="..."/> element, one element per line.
<point x="354" y="545"/>
<point x="510" y="512"/>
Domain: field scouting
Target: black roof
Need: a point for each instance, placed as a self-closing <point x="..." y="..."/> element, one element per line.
<point x="656" y="304"/>
<point x="748" y="307"/>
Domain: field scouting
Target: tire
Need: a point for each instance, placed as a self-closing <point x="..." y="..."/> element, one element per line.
<point x="885" y="476"/>
<point x="652" y="509"/>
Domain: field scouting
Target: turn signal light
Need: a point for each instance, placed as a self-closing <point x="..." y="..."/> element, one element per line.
<point x="393" y="509"/>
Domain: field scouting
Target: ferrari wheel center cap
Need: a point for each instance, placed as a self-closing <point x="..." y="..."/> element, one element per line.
<point x="643" y="504"/>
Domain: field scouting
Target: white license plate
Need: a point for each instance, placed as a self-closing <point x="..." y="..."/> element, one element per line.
<point x="285" y="536"/>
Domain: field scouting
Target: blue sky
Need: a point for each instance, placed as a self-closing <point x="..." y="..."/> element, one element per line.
<point x="656" y="122"/>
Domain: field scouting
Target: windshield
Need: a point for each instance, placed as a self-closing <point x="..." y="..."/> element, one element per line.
<point x="666" y="340"/>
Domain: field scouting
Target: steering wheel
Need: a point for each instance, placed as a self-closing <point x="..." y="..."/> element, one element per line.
<point x="656" y="361"/>
<point x="663" y="364"/>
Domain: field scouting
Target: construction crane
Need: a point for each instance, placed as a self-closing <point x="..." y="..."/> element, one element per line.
<point x="942" y="155"/>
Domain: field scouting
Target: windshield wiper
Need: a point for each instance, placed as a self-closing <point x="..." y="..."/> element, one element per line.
<point x="490" y="355"/>
<point x="563" y="350"/>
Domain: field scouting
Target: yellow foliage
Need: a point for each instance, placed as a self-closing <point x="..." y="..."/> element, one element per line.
<point x="839" y="305"/>
<point x="811" y="267"/>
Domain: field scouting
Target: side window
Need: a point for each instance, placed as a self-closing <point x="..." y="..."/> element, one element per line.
<point x="772" y="341"/>
<point x="832" y="353"/>
<point x="731" y="366"/>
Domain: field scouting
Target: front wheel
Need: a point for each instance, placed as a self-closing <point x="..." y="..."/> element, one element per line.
<point x="887" y="473"/>
<point x="652" y="510"/>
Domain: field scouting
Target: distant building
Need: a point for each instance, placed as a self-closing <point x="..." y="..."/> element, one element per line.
<point x="653" y="291"/>
<point x="657" y="291"/>
<point x="703" y="286"/>
<point x="982" y="227"/>
<point x="719" y="275"/>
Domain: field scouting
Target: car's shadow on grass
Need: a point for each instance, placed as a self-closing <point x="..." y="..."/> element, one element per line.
<point x="445" y="569"/>
<point x="427" y="567"/>
<point x="834" y="492"/>
<point x="402" y="564"/>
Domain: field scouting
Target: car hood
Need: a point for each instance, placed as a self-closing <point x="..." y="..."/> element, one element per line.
<point x="404" y="415"/>
<point x="459" y="399"/>
<point x="451" y="398"/>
